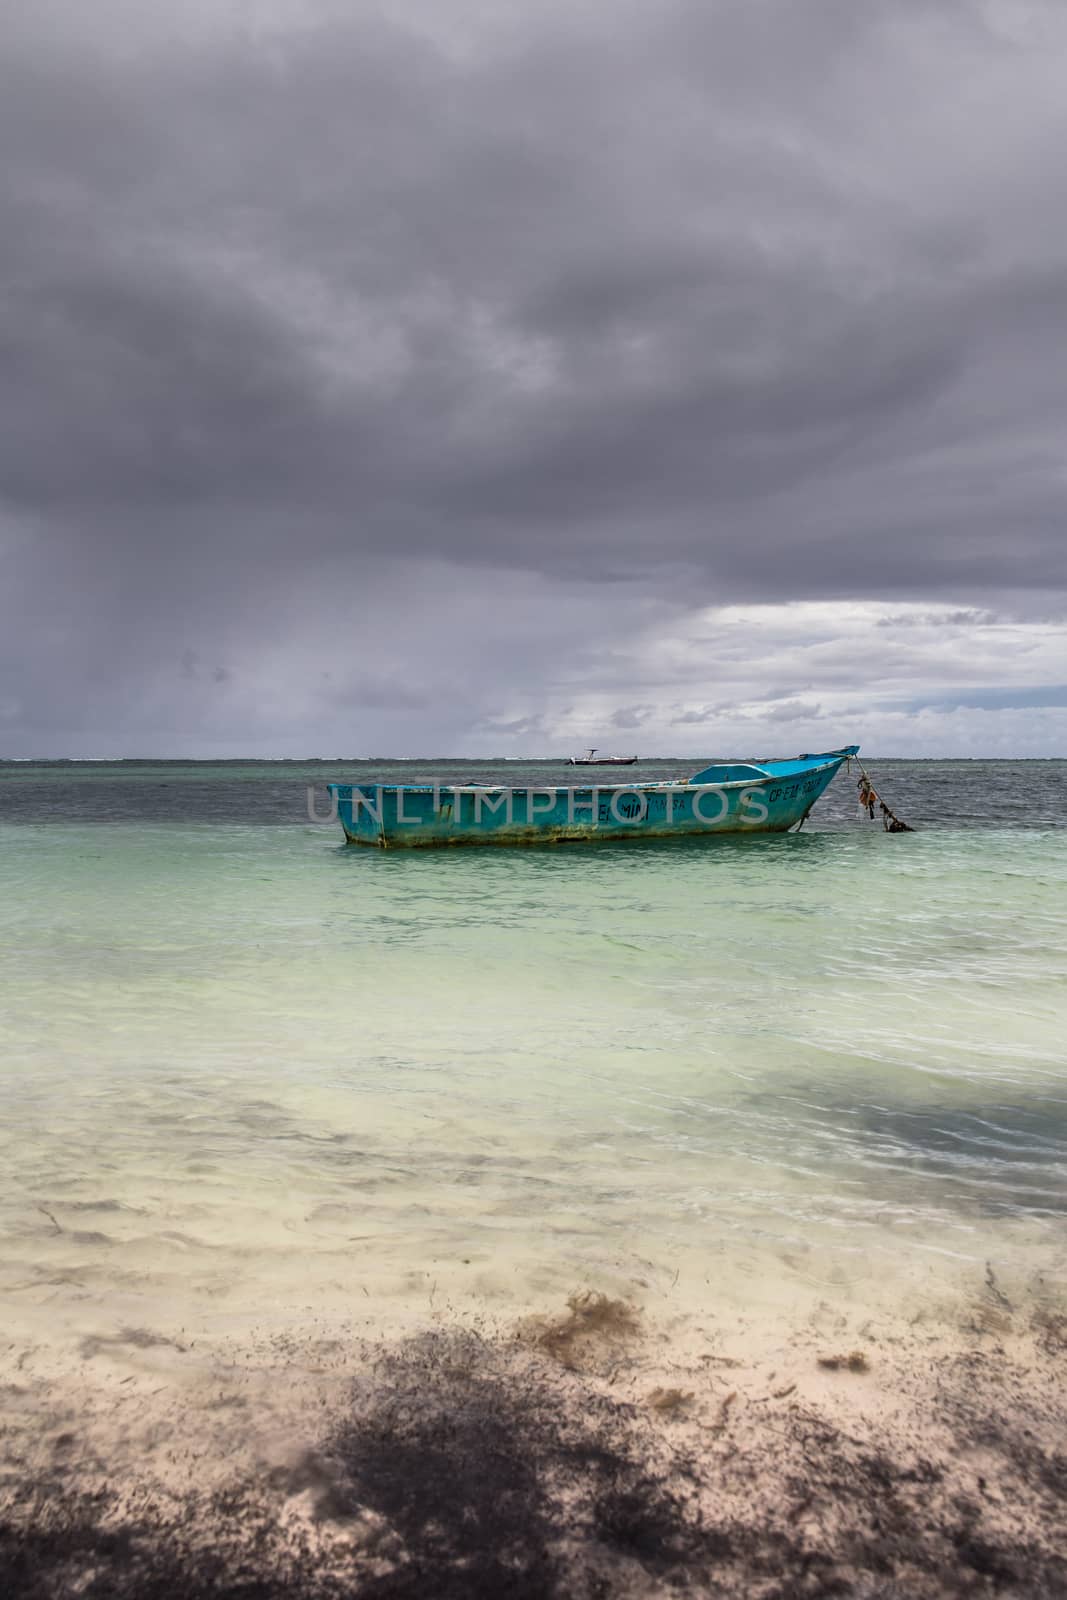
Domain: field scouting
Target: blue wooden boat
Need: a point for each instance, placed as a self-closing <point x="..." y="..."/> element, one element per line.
<point x="733" y="797"/>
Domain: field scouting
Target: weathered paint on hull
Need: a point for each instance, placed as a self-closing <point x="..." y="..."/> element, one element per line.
<point x="415" y="815"/>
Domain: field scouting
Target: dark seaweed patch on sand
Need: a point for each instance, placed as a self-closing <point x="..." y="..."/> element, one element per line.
<point x="494" y="1484"/>
<point x="591" y="1330"/>
<point x="461" y="1468"/>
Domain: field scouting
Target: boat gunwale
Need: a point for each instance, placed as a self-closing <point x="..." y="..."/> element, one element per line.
<point x="586" y="788"/>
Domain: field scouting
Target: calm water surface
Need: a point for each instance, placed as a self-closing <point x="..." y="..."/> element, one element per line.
<point x="249" y="1075"/>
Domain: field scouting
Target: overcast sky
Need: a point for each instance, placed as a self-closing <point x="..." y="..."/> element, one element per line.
<point x="503" y="376"/>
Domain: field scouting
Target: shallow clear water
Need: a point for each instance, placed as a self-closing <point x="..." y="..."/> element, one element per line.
<point x="251" y="1076"/>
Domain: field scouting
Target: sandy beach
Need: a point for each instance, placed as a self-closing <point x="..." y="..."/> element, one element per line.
<point x="608" y="1448"/>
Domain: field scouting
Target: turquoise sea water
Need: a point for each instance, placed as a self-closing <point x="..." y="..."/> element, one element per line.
<point x="249" y="1076"/>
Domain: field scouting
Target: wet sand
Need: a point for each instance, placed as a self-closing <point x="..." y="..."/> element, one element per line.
<point x="604" y="1448"/>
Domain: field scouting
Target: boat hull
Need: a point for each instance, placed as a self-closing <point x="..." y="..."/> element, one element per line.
<point x="408" y="816"/>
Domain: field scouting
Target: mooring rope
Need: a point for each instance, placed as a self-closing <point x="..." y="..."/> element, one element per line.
<point x="869" y="798"/>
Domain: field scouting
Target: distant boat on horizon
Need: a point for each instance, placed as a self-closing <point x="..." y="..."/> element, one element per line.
<point x="591" y="759"/>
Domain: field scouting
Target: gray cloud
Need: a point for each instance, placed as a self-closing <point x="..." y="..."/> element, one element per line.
<point x="996" y="699"/>
<point x="632" y="716"/>
<point x="311" y="318"/>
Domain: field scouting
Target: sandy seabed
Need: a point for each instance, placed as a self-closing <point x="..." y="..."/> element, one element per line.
<point x="606" y="1449"/>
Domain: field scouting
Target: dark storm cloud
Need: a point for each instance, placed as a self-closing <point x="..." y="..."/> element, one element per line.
<point x="756" y="300"/>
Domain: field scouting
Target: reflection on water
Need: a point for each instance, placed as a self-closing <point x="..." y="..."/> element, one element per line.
<point x="247" y="1072"/>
